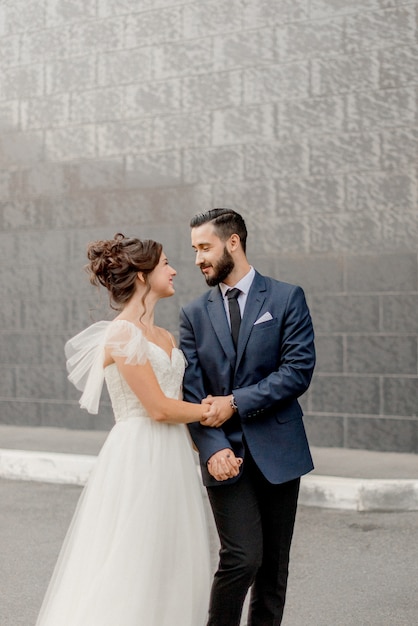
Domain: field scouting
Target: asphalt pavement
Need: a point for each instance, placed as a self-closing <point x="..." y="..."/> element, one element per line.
<point x="347" y="568"/>
<point x="354" y="554"/>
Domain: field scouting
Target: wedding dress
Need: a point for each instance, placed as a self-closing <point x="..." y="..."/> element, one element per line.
<point x="137" y="550"/>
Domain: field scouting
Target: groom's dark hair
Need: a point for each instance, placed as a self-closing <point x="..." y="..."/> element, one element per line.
<point x="226" y="222"/>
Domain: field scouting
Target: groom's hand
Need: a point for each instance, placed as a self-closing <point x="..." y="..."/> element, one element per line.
<point x="219" y="411"/>
<point x="224" y="464"/>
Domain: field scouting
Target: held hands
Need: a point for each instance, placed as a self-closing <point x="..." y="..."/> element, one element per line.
<point x="219" y="410"/>
<point x="224" y="464"/>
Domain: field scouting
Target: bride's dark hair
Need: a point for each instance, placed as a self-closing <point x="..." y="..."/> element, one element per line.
<point x="115" y="263"/>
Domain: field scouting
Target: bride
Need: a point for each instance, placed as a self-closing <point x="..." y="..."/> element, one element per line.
<point x="137" y="550"/>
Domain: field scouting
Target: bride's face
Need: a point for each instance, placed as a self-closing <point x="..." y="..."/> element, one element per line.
<point x="161" y="278"/>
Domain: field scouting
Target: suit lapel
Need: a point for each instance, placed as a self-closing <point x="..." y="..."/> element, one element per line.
<point x="255" y="300"/>
<point x="217" y="316"/>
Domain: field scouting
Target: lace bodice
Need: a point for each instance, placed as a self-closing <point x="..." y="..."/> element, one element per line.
<point x="169" y="373"/>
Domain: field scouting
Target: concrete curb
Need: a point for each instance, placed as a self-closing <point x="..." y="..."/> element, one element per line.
<point x="49" y="467"/>
<point x="358" y="494"/>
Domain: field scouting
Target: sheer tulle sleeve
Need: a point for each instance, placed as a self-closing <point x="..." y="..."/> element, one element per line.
<point x="85" y="355"/>
<point x="127" y="340"/>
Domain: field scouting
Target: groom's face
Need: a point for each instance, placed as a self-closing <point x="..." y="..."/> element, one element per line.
<point x="212" y="254"/>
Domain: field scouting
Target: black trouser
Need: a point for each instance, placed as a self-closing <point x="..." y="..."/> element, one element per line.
<point x="255" y="522"/>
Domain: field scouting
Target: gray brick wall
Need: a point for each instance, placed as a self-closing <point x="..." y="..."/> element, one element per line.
<point x="132" y="115"/>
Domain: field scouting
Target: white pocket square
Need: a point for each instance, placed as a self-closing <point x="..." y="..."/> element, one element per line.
<point x="264" y="318"/>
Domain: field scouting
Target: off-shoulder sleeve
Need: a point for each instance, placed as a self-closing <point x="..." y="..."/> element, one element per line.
<point x="85" y="355"/>
<point x="125" y="339"/>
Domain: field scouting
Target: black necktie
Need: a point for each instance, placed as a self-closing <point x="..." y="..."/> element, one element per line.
<point x="234" y="312"/>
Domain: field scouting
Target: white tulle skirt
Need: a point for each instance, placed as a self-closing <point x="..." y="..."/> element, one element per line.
<point x="137" y="550"/>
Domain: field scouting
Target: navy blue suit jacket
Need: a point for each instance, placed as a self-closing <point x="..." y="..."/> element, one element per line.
<point x="271" y="368"/>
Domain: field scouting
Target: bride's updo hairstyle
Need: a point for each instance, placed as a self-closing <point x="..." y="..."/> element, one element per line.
<point x="115" y="263"/>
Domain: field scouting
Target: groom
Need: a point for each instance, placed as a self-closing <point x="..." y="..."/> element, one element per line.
<point x="249" y="345"/>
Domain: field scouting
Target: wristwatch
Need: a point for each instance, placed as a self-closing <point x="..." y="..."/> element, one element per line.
<point x="233" y="404"/>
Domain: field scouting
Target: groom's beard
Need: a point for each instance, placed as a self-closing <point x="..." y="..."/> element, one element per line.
<point x="221" y="269"/>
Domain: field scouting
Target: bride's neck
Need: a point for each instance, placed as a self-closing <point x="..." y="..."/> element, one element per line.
<point x="136" y="312"/>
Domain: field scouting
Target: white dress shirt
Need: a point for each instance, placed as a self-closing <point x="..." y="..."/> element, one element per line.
<point x="244" y="286"/>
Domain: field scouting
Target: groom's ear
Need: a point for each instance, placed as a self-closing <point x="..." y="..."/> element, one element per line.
<point x="234" y="241"/>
